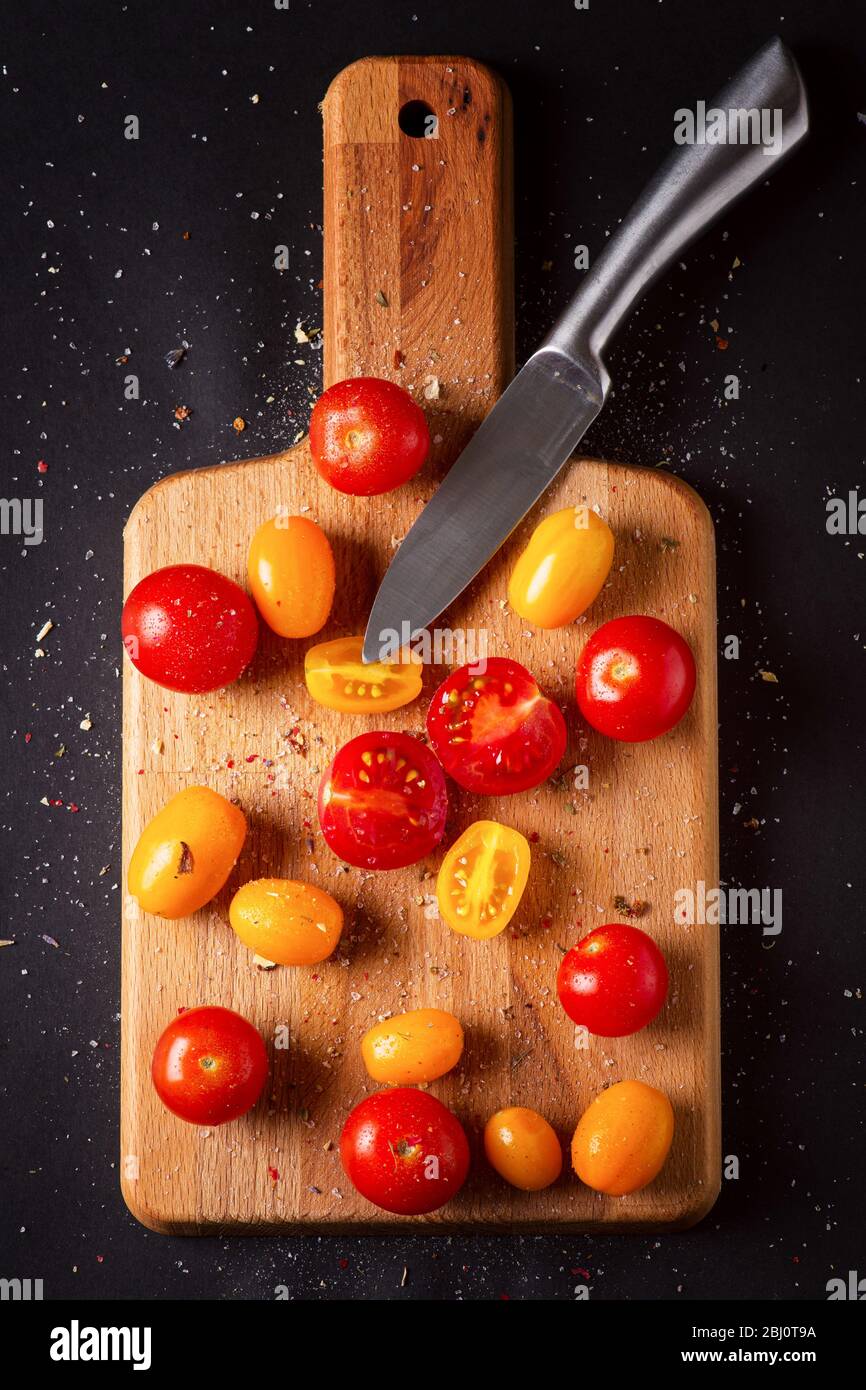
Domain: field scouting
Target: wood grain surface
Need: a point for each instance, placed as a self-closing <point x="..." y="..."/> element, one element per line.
<point x="418" y="288"/>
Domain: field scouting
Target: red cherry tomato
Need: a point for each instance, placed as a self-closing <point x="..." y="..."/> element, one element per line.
<point x="403" y="1150"/>
<point x="383" y="801"/>
<point x="367" y="436"/>
<point x="189" y="628"/>
<point x="209" y="1065"/>
<point x="614" y="981"/>
<point x="635" y="679"/>
<point x="495" y="733"/>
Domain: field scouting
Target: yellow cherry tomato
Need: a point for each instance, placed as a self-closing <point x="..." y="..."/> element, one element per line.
<point x="337" y="678"/>
<point x="291" y="574"/>
<point x="563" y="568"/>
<point x="482" y="879"/>
<point x="413" y="1047"/>
<point x="186" y="853"/>
<point x="623" y="1139"/>
<point x="523" y="1148"/>
<point x="285" y="921"/>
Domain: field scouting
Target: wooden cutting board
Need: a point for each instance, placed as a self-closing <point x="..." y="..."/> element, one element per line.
<point x="418" y="288"/>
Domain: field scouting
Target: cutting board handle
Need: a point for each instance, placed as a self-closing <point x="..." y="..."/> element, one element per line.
<point x="418" y="237"/>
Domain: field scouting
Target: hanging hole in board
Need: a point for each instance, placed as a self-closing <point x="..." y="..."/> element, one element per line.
<point x="418" y="120"/>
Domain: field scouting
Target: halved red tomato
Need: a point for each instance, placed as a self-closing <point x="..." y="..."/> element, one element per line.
<point x="383" y="801"/>
<point x="495" y="732"/>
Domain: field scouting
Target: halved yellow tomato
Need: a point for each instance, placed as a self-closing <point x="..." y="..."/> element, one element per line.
<point x="337" y="678"/>
<point x="563" y="568"/>
<point x="482" y="879"/>
<point x="291" y="573"/>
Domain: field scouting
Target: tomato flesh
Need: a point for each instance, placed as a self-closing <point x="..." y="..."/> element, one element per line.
<point x="614" y="981"/>
<point x="404" y="1151"/>
<point x="383" y="801"/>
<point x="209" y="1065"/>
<point x="635" y="679"/>
<point x="367" y="436"/>
<point x="493" y="729"/>
<point x="482" y="879"/>
<point x="188" y="628"/>
<point x="338" y="678"/>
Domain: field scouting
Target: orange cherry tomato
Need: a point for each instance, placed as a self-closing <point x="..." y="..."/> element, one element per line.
<point x="563" y="568"/>
<point x="291" y="574"/>
<point x="482" y="879"/>
<point x="623" y="1138"/>
<point x="337" y="678"/>
<point x="523" y="1148"/>
<point x="412" y="1047"/>
<point x="285" y="921"/>
<point x="186" y="853"/>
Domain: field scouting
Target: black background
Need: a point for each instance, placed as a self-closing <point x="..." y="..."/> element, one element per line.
<point x="594" y="95"/>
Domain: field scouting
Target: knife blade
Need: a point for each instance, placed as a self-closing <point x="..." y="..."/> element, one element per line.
<point x="503" y="470"/>
<point x="540" y="419"/>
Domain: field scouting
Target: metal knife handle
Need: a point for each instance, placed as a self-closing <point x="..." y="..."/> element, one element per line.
<point x="694" y="185"/>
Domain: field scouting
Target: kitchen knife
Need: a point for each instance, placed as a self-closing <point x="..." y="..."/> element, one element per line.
<point x="538" y="422"/>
